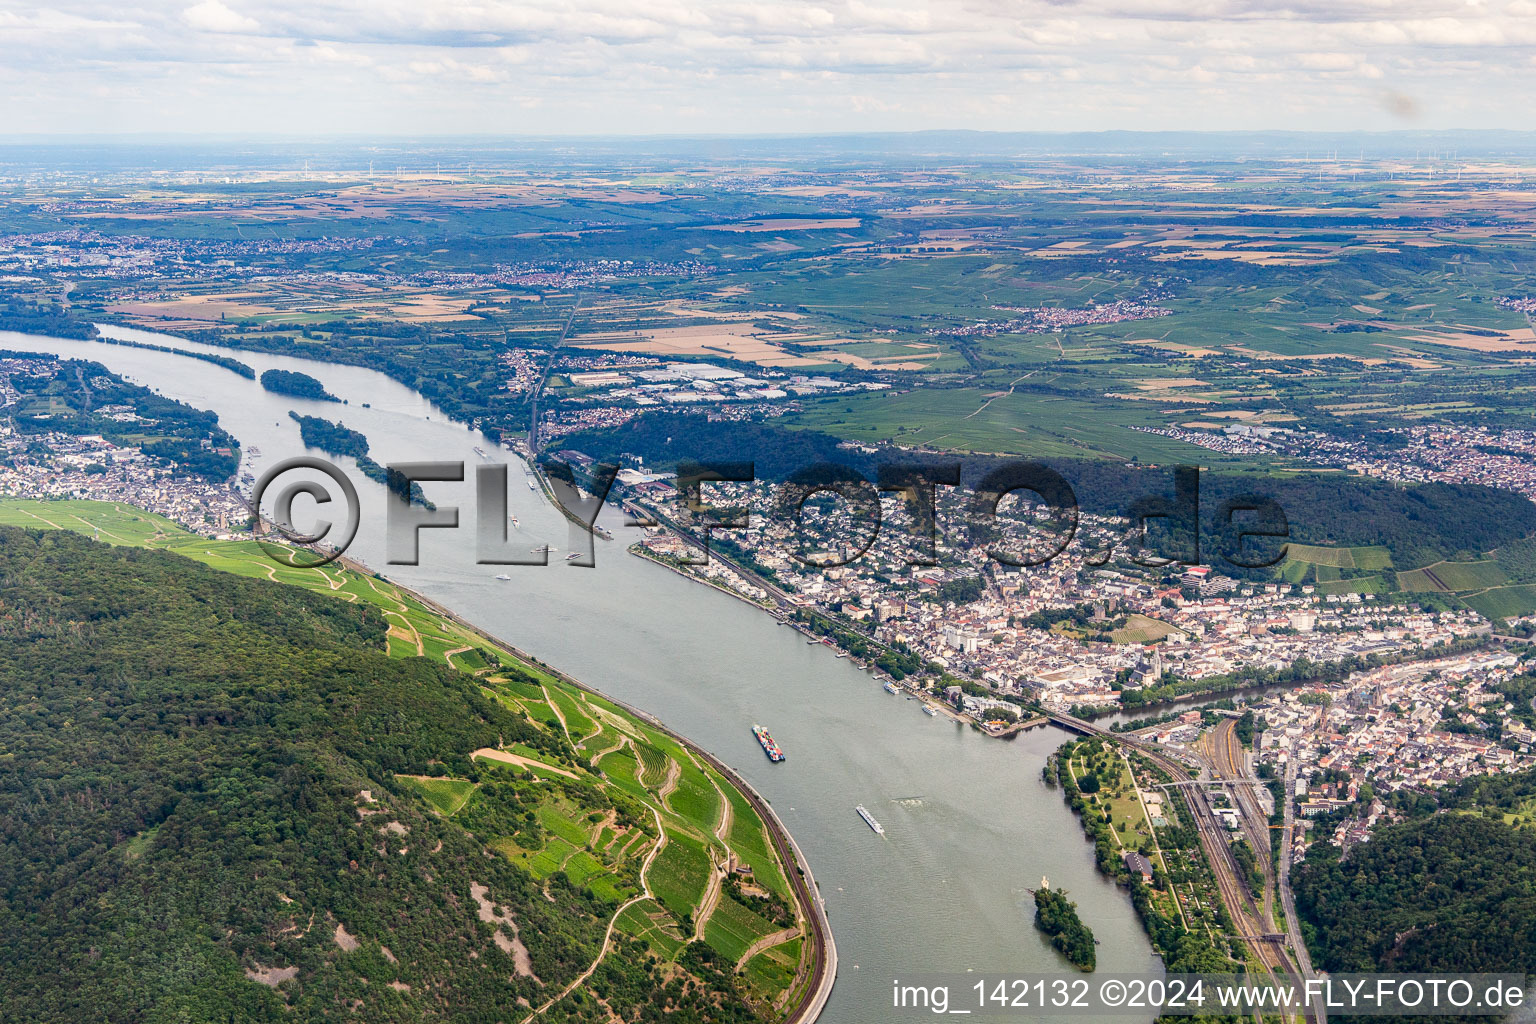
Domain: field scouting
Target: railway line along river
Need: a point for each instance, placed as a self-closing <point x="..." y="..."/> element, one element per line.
<point x="969" y="825"/>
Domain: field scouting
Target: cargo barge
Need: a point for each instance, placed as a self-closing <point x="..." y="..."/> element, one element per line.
<point x="769" y="747"/>
<point x="869" y="819"/>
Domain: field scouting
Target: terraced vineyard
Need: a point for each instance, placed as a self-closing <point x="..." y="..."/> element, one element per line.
<point x="1500" y="585"/>
<point x="601" y="801"/>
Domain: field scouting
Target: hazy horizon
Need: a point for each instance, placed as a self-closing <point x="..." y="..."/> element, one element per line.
<point x="385" y="154"/>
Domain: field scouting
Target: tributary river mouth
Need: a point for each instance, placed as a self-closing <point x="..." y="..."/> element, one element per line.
<point x="970" y="826"/>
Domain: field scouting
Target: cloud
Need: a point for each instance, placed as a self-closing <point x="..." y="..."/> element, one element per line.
<point x="213" y="16"/>
<point x="769" y="65"/>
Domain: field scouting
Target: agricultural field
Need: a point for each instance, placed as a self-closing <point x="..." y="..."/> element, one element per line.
<point x="446" y="795"/>
<point x="998" y="308"/>
<point x="1342" y="570"/>
<point x="1492" y="586"/>
<point x="1140" y="629"/>
<point x="1454" y="576"/>
<point x="985" y="420"/>
<point x="1340" y="558"/>
<point x="607" y="803"/>
<point x="1504" y="602"/>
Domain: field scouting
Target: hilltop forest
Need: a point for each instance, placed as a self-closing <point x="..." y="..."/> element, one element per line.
<point x="1452" y="892"/>
<point x="207" y="814"/>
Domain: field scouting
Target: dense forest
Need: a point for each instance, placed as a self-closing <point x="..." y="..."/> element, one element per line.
<point x="70" y="402"/>
<point x="232" y="365"/>
<point x="22" y="314"/>
<point x="460" y="373"/>
<point x="1452" y="892"/>
<point x="340" y="439"/>
<point x="200" y="819"/>
<point x="1056" y="916"/>
<point x="1418" y="524"/>
<point x="296" y="385"/>
<point x="663" y="441"/>
<point x="331" y="438"/>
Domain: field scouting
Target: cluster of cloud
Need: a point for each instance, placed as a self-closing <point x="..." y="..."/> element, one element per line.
<point x="666" y="66"/>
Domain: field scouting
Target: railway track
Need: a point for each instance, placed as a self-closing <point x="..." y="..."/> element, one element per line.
<point x="807" y="1008"/>
<point x="1224" y="752"/>
<point x="1267" y="948"/>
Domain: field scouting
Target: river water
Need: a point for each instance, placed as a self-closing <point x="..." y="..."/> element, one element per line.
<point x="969" y="824"/>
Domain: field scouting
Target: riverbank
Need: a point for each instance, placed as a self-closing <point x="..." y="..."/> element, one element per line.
<point x="712" y="667"/>
<point x="639" y="551"/>
<point x="1172" y="896"/>
<point x="823" y="973"/>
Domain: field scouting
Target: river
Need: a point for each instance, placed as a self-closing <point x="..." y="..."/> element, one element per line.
<point x="969" y="824"/>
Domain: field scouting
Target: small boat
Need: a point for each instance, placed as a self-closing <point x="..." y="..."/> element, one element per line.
<point x="812" y="643"/>
<point x="514" y="522"/>
<point x="842" y="654"/>
<point x="481" y="452"/>
<point x="891" y="688"/>
<point x="540" y="547"/>
<point x="503" y="577"/>
<point x="869" y="819"/>
<point x="530" y="484"/>
<point x="573" y="555"/>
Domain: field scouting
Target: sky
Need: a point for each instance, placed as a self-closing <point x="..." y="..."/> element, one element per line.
<point x="723" y="66"/>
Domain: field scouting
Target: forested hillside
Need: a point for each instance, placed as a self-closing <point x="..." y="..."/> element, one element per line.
<point x="1417" y="524"/>
<point x="1453" y="892"/>
<point x="216" y="803"/>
